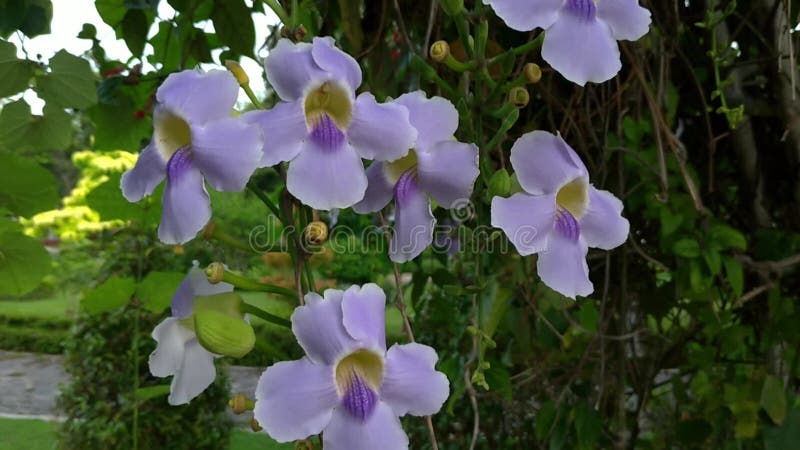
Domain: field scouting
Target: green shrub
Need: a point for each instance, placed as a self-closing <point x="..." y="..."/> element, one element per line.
<point x="100" y="402"/>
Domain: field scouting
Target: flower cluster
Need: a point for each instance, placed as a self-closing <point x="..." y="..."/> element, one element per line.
<point x="349" y="386"/>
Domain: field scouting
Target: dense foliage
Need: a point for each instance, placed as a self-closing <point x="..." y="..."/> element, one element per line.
<point x="105" y="358"/>
<point x="690" y="339"/>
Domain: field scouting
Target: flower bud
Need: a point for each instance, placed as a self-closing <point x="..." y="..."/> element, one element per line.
<point x="440" y="50"/>
<point x="215" y="272"/>
<point x="533" y="73"/>
<point x="240" y="403"/>
<point x="237" y="71"/>
<point x="499" y="184"/>
<point x="223" y="334"/>
<point x="316" y="232"/>
<point x="519" y="97"/>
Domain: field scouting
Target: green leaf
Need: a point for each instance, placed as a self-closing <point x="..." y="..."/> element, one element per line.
<point x="15" y="73"/>
<point x="108" y="201"/>
<point x="70" y="83"/>
<point x="23" y="263"/>
<point x="588" y="316"/>
<point x="134" y="31"/>
<point x="786" y="436"/>
<point x="735" y="275"/>
<point x="15" y="123"/>
<point x="26" y="188"/>
<point x="156" y="290"/>
<point x="234" y="26"/>
<point x="117" y="126"/>
<point x="713" y="261"/>
<point x="544" y="419"/>
<point x="151" y="392"/>
<point x="724" y="237"/>
<point x="31" y="17"/>
<point x="495" y="301"/>
<point x="111" y="11"/>
<point x="773" y="399"/>
<point x="113" y="294"/>
<point x="166" y="47"/>
<point x="686" y="248"/>
<point x="587" y="426"/>
<point x="51" y="131"/>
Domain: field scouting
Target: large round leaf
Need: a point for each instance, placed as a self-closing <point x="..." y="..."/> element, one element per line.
<point x="23" y="263"/>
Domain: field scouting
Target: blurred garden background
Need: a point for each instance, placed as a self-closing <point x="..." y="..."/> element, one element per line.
<point x="690" y="340"/>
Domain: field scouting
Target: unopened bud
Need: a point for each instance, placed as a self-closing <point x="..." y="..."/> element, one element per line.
<point x="316" y="232"/>
<point x="215" y="272"/>
<point x="224" y="334"/>
<point x="519" y="97"/>
<point x="440" y="50"/>
<point x="500" y="183"/>
<point x="178" y="250"/>
<point x="452" y="7"/>
<point x="254" y="425"/>
<point x="240" y="403"/>
<point x="237" y="71"/>
<point x="533" y="73"/>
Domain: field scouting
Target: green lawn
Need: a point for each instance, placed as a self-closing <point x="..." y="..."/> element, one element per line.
<point x="61" y="305"/>
<point x="27" y="434"/>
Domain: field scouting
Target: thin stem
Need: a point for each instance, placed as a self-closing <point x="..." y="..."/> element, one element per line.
<point x="252" y="96"/>
<point x="265" y="200"/>
<point x="276" y="7"/>
<point x="268" y="317"/>
<point x="521" y="50"/>
<point x="251" y="285"/>
<point x="401" y="306"/>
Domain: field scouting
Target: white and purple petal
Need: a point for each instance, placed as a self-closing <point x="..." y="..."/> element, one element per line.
<point x="337" y="63"/>
<point x="170" y="337"/>
<point x="525" y="219"/>
<point x="411" y="383"/>
<point x="199" y="97"/>
<point x="284" y="130"/>
<point x="291" y="69"/>
<point x="295" y="399"/>
<point x="363" y="315"/>
<point x="435" y="118"/>
<point x="562" y="266"/>
<point x="381" y="430"/>
<point x="543" y="162"/>
<point x="413" y="223"/>
<point x="627" y="20"/>
<point x="195" y="374"/>
<point x="319" y="328"/>
<point x="186" y="206"/>
<point x="579" y="46"/>
<point x="142" y="179"/>
<point x="603" y="225"/>
<point x="227" y="152"/>
<point x="379" y="190"/>
<point x="525" y="15"/>
<point x="327" y="173"/>
<point x="380" y="131"/>
<point x="447" y="171"/>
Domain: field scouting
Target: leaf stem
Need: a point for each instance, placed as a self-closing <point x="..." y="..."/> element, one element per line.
<point x="268" y="317"/>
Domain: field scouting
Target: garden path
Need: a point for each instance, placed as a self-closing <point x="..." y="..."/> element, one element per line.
<point x="29" y="384"/>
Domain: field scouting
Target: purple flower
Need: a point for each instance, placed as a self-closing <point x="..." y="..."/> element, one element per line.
<point x="178" y="353"/>
<point x="195" y="139"/>
<point x="348" y="386"/>
<point x="581" y="36"/>
<point x="437" y="166"/>
<point x="560" y="215"/>
<point x="322" y="129"/>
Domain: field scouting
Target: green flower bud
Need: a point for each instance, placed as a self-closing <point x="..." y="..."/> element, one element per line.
<point x="223" y="334"/>
<point x="440" y="50"/>
<point x="519" y="97"/>
<point x="500" y="183"/>
<point x="533" y="73"/>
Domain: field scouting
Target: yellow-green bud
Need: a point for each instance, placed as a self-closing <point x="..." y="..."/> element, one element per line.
<point x="440" y="50"/>
<point x="240" y="403"/>
<point x="237" y="71"/>
<point x="533" y="73"/>
<point x="223" y="334"/>
<point x="215" y="272"/>
<point x="519" y="97"/>
<point x="500" y="183"/>
<point x="316" y="232"/>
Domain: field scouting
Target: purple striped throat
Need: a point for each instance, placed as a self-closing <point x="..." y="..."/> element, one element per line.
<point x="567" y="225"/>
<point x="358" y="377"/>
<point x="326" y="134"/>
<point x="178" y="164"/>
<point x="583" y="9"/>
